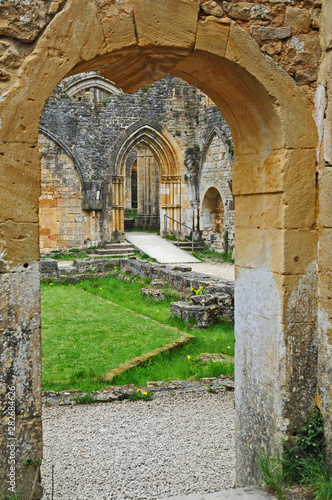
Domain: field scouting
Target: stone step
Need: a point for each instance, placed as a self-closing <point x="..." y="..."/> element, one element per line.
<point x="120" y="246"/>
<point x="129" y="224"/>
<point x="187" y="245"/>
<point x="115" y="251"/>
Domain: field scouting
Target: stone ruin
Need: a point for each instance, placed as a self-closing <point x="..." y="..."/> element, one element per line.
<point x="267" y="65"/>
<point x="112" y="161"/>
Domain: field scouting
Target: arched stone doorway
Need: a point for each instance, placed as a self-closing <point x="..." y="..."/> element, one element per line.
<point x="158" y="167"/>
<point x="273" y="181"/>
<point x="212" y="219"/>
<point x="216" y="179"/>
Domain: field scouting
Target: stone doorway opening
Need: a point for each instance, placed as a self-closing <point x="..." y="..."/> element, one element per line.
<point x="212" y="219"/>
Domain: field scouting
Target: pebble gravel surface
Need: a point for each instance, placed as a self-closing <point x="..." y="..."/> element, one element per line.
<point x="176" y="444"/>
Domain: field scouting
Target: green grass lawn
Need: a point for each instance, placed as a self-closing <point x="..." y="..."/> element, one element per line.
<point x="84" y="337"/>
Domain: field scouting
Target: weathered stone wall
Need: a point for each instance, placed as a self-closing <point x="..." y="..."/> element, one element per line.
<point x="90" y="123"/>
<point x="323" y="118"/>
<point x="286" y="30"/>
<point x="268" y="103"/>
<point x="62" y="221"/>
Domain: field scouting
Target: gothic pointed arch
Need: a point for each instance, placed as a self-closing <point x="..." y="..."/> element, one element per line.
<point x="159" y="184"/>
<point x="65" y="148"/>
<point x="88" y="81"/>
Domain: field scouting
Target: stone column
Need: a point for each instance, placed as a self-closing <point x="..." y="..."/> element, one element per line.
<point x="275" y="300"/>
<point x="140" y="187"/>
<point x="117" y="203"/>
<point x="20" y="371"/>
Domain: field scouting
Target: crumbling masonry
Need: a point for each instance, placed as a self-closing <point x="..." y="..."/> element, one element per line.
<point x="107" y="155"/>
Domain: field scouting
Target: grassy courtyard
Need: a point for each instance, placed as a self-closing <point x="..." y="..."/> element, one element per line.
<point x="84" y="336"/>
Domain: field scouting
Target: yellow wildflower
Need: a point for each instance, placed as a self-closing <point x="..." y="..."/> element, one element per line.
<point x="139" y="390"/>
<point x="145" y="393"/>
<point x="188" y="357"/>
<point x="228" y="347"/>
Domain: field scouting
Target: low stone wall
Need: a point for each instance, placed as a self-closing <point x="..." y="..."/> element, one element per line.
<point x="179" y="277"/>
<point x="215" y="304"/>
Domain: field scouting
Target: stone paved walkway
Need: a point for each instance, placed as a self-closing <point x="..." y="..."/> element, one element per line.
<point x="158" y="248"/>
<point x="223" y="270"/>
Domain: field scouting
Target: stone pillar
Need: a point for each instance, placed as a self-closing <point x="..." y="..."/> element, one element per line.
<point x="323" y="117"/>
<point x="117" y="203"/>
<point x="275" y="301"/>
<point x="20" y="372"/>
<point x="172" y="199"/>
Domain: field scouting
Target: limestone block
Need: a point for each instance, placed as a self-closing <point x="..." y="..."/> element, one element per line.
<point x="118" y="24"/>
<point x="304" y="51"/>
<point x="212" y="35"/>
<point x="166" y="24"/>
<point x="328" y="141"/>
<point x="49" y="267"/>
<point x="299" y="185"/>
<point x="291" y="172"/>
<point x="270" y="32"/>
<point x="246" y="11"/>
<point x="272" y="48"/>
<point x="11" y="55"/>
<point x="252" y="174"/>
<point x="260" y="210"/>
<point x="23" y="20"/>
<point x="281" y="251"/>
<point x="300" y="250"/>
<point x="316" y="18"/>
<point x="325" y="197"/>
<point x="325" y="246"/>
<point x="19" y="245"/>
<point x="301" y="372"/>
<point x="259" y="248"/>
<point x="325" y="301"/>
<point x="55" y="54"/>
<point x="297" y="18"/>
<point x="212" y="8"/>
<point x="305" y="75"/>
<point x="19" y="182"/>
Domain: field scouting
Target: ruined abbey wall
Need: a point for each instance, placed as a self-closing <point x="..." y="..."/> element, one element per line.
<point x="89" y="122"/>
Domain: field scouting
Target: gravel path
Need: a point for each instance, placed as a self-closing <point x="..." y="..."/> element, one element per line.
<point x="178" y="443"/>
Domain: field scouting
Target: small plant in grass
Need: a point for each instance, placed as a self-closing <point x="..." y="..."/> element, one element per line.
<point x="273" y="476"/>
<point x="84" y="399"/>
<point x="10" y="497"/>
<point x="139" y="395"/>
<point x="32" y="463"/>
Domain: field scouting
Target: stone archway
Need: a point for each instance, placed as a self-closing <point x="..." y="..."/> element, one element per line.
<point x="132" y="44"/>
<point x="159" y="160"/>
<point x="216" y="172"/>
<point x="212" y="219"/>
